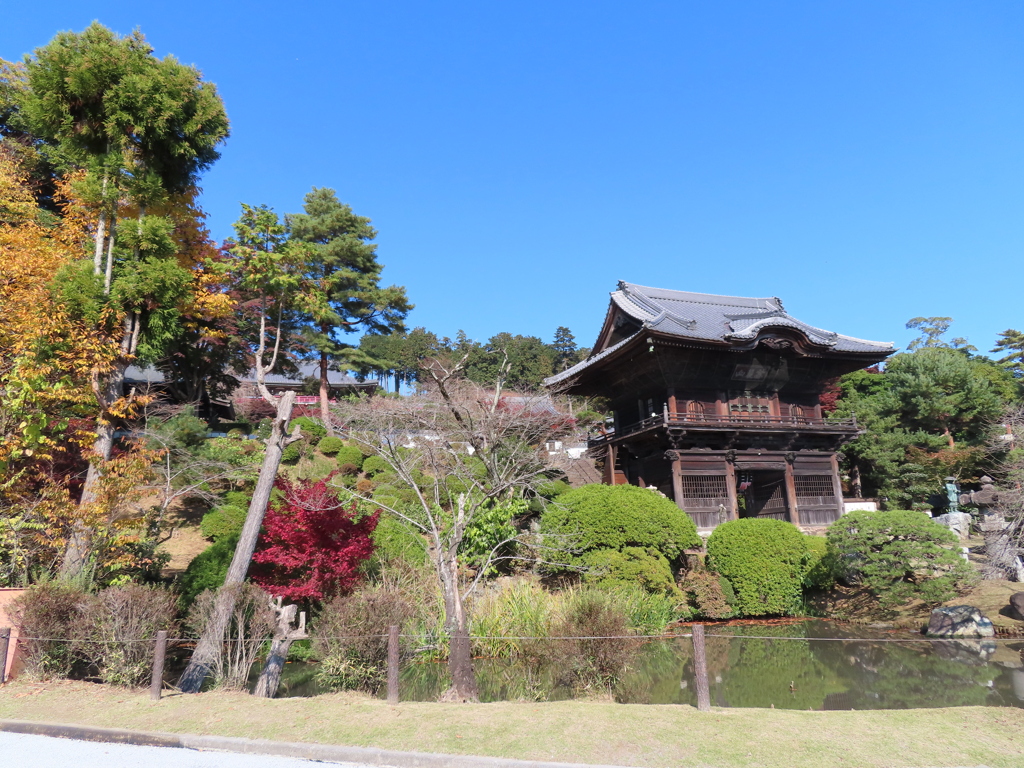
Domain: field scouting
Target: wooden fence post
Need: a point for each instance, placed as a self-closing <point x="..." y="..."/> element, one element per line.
<point x="393" y="664"/>
<point x="700" y="669"/>
<point x="159" y="652"/>
<point x="5" y="638"/>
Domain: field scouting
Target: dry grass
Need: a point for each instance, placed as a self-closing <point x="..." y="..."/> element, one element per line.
<point x="595" y="732"/>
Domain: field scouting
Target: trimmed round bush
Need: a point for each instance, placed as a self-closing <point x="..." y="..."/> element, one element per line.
<point x="764" y="561"/>
<point x="631" y="567"/>
<point x="619" y="516"/>
<point x="899" y="555"/>
<point x="312" y="429"/>
<point x="330" y="445"/>
<point x="207" y="570"/>
<point x="373" y="465"/>
<point x="820" y="568"/>
<point x="291" y="453"/>
<point x="350" y="454"/>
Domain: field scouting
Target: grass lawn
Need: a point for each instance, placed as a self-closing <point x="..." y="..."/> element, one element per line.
<point x="588" y="731"/>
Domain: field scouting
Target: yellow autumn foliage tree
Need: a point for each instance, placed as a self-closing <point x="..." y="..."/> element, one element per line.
<point x="48" y="363"/>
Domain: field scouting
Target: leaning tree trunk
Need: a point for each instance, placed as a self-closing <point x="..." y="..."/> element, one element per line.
<point x="109" y="390"/>
<point x="213" y="635"/>
<point x="460" y="656"/>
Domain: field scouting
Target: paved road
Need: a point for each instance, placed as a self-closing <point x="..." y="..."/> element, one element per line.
<point x="27" y="751"/>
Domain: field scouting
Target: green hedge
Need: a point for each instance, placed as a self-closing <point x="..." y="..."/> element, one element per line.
<point x="765" y="562"/>
<point x="225" y="520"/>
<point x="900" y="555"/>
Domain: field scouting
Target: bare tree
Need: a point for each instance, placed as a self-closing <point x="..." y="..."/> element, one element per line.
<point x="460" y="448"/>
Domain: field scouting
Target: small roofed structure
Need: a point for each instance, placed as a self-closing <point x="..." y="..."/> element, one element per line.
<point x="716" y="403"/>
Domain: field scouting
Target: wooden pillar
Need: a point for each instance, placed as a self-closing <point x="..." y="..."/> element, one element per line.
<point x="837" y="485"/>
<point x="156" y="682"/>
<point x="700" y="669"/>
<point x="393" y="661"/>
<point x="609" y="465"/>
<point x="730" y="487"/>
<point x="773" y="405"/>
<point x="677" y="481"/>
<point x="721" y="404"/>
<point x="673" y="407"/>
<point x="794" y="511"/>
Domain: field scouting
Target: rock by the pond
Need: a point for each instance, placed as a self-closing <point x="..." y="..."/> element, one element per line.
<point x="1017" y="605"/>
<point x="959" y="621"/>
<point x="958" y="522"/>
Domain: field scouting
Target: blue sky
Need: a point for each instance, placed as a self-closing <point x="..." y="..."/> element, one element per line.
<point x="864" y="161"/>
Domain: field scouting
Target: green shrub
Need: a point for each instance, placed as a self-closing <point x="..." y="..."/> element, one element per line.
<point x="763" y="560"/>
<point x="312" y="429"/>
<point x="349" y="454"/>
<point x="185" y="429"/>
<point x="395" y="541"/>
<point x="821" y="565"/>
<point x="630" y="566"/>
<point x="899" y="555"/>
<point x="207" y="570"/>
<point x="291" y="453"/>
<point x="373" y="465"/>
<point x="225" y="520"/>
<point x="330" y="445"/>
<point x="597" y="517"/>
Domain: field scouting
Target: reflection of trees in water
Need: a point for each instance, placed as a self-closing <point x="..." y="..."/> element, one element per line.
<point x="855" y="674"/>
<point x="897" y="676"/>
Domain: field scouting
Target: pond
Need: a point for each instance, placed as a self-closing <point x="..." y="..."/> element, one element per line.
<point x="813" y="664"/>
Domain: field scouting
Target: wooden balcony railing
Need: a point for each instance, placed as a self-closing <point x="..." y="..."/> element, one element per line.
<point x="717" y="421"/>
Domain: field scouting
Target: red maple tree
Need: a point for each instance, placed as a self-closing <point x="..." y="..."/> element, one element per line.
<point x="312" y="544"/>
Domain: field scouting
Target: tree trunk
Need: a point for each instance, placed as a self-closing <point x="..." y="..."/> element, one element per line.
<point x="460" y="657"/>
<point x="206" y="650"/>
<point x="325" y="411"/>
<point x="949" y="437"/>
<point x="284" y="635"/>
<point x="108" y="391"/>
<point x="109" y="272"/>
<point x="855" y="483"/>
<point x="101" y="235"/>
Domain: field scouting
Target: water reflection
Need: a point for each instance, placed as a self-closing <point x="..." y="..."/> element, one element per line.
<point x="860" y="672"/>
<point x="753" y="666"/>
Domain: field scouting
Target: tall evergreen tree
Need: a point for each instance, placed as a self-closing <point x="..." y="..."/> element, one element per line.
<point x="345" y="294"/>
<point x="143" y="129"/>
<point x="1011" y="346"/>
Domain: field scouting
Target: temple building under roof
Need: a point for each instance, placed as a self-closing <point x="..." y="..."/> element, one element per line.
<point x="716" y="403"/>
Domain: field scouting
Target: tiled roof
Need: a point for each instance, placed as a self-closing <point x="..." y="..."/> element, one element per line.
<point x="710" y="318"/>
<point x="150" y="375"/>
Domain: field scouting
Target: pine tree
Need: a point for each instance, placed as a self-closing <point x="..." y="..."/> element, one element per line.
<point x="345" y="294"/>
